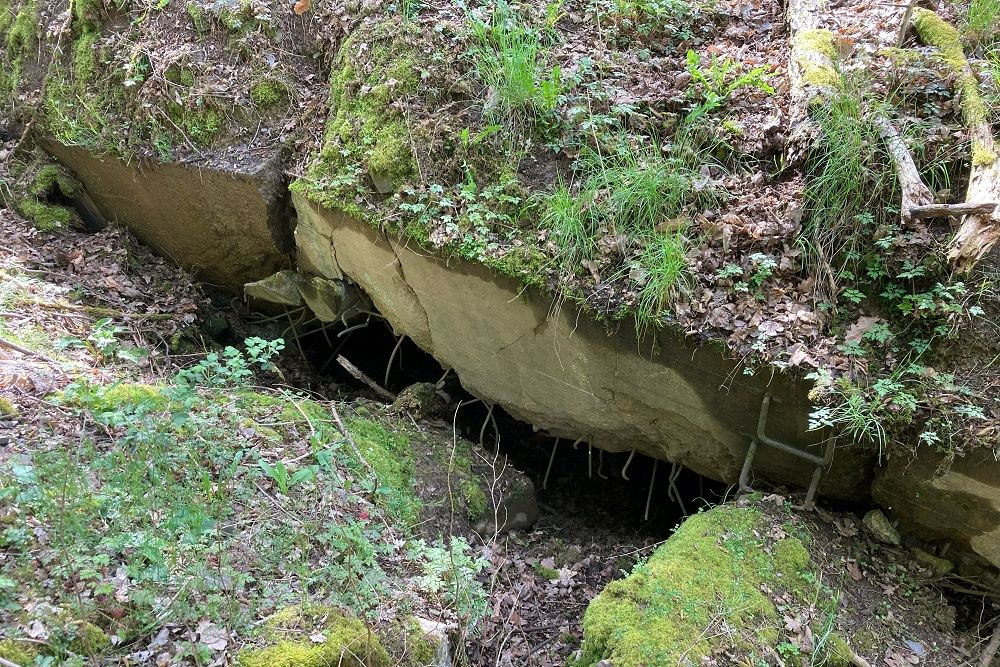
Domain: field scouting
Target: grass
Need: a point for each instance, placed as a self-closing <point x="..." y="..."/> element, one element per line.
<point x="849" y="178"/>
<point x="567" y="217"/>
<point x="982" y="21"/>
<point x="664" y="264"/>
<point x="508" y="57"/>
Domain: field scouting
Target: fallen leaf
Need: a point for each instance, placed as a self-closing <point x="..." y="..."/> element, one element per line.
<point x="301" y="6"/>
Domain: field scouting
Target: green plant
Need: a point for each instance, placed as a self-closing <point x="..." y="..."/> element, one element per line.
<point x="662" y="266"/>
<point x="716" y="83"/>
<point x="507" y="55"/>
<point x="103" y="340"/>
<point x="285" y="479"/>
<point x="449" y="573"/>
<point x="982" y="20"/>
<point x="849" y="178"/>
<point x="568" y="219"/>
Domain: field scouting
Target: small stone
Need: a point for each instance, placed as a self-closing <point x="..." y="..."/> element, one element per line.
<point x="876" y="523"/>
<point x="939" y="565"/>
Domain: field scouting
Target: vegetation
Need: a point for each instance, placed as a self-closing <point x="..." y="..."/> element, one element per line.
<point x="693" y="593"/>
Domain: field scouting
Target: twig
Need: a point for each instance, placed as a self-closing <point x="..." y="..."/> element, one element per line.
<point x="361" y="377"/>
<point x="7" y="663"/>
<point x="30" y="353"/>
<point x="991" y="649"/>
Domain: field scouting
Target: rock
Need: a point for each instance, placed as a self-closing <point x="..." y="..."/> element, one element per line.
<point x="937" y="564"/>
<point x="324" y="297"/>
<point x="516" y="506"/>
<point x="229" y="228"/>
<point x="564" y="373"/>
<point x="281" y="288"/>
<point x="695" y="571"/>
<point x="956" y="502"/>
<point x="432" y="642"/>
<point x="422" y="399"/>
<point x="879" y="527"/>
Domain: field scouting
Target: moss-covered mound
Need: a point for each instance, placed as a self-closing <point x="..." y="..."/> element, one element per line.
<point x="316" y="637"/>
<point x="703" y="592"/>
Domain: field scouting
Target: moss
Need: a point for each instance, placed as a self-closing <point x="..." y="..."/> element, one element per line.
<point x="23" y="32"/>
<point x="364" y="130"/>
<point x="837" y="652"/>
<point x="814" y="53"/>
<point x="51" y="177"/>
<point x="935" y="31"/>
<point x="85" y="58"/>
<point x="421" y="651"/>
<point x="45" y="217"/>
<point x="390" y="456"/>
<point x="198" y="20"/>
<point x="20" y="653"/>
<point x="711" y="570"/>
<point x="546" y="572"/>
<point x="177" y="74"/>
<point x="267" y="95"/>
<point x="474" y="498"/>
<point x="526" y="263"/>
<point x="117" y="396"/>
<point x="348" y="642"/>
<point x="7" y="409"/>
<point x="199" y="123"/>
<point x="89" y="639"/>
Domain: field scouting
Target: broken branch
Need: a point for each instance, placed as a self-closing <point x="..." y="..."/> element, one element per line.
<point x="915" y="193"/>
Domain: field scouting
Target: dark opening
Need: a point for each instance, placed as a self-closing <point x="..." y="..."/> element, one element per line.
<point x="584" y="483"/>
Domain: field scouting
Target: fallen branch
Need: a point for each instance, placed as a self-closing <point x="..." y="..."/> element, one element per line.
<point x="979" y="231"/>
<point x="361" y="377"/>
<point x="29" y="353"/>
<point x="986" y="659"/>
<point x="914" y="192"/>
<point x="951" y="210"/>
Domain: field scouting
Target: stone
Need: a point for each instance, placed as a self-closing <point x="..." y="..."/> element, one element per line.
<point x="879" y="527"/>
<point x="516" y="504"/>
<point x="937" y="564"/>
<point x="436" y="634"/>
<point x="228" y="227"/>
<point x="422" y="399"/>
<point x="324" y="297"/>
<point x="280" y="288"/>
<point x="565" y="373"/>
<point x="954" y="501"/>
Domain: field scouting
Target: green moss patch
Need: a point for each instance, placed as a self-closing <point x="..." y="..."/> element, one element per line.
<point x="705" y="579"/>
<point x="937" y="32"/>
<point x="316" y="637"/>
<point x="366" y="135"/>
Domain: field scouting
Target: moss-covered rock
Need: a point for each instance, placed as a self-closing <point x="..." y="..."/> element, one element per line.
<point x="314" y="636"/>
<point x="365" y="133"/>
<point x="707" y="576"/>
<point x="45" y="217"/>
<point x="88" y="639"/>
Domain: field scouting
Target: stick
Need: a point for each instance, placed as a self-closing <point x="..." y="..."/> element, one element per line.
<point x="991" y="649"/>
<point x="8" y="663"/>
<point x="552" y="457"/>
<point x="914" y="192"/>
<point x="952" y="210"/>
<point x="30" y="353"/>
<point x="652" y="482"/>
<point x="361" y="377"/>
<point x="392" y="356"/>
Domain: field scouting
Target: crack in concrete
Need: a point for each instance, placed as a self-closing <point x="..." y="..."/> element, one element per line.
<point x="402" y="276"/>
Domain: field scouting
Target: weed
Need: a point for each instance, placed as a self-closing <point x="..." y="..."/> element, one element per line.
<point x="716" y="83"/>
<point x="507" y="55"/>
<point x="449" y="574"/>
<point x="849" y="178"/>
<point x="662" y="269"/>
<point x="104" y="341"/>
<point x="982" y="21"/>
<point x="567" y="217"/>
